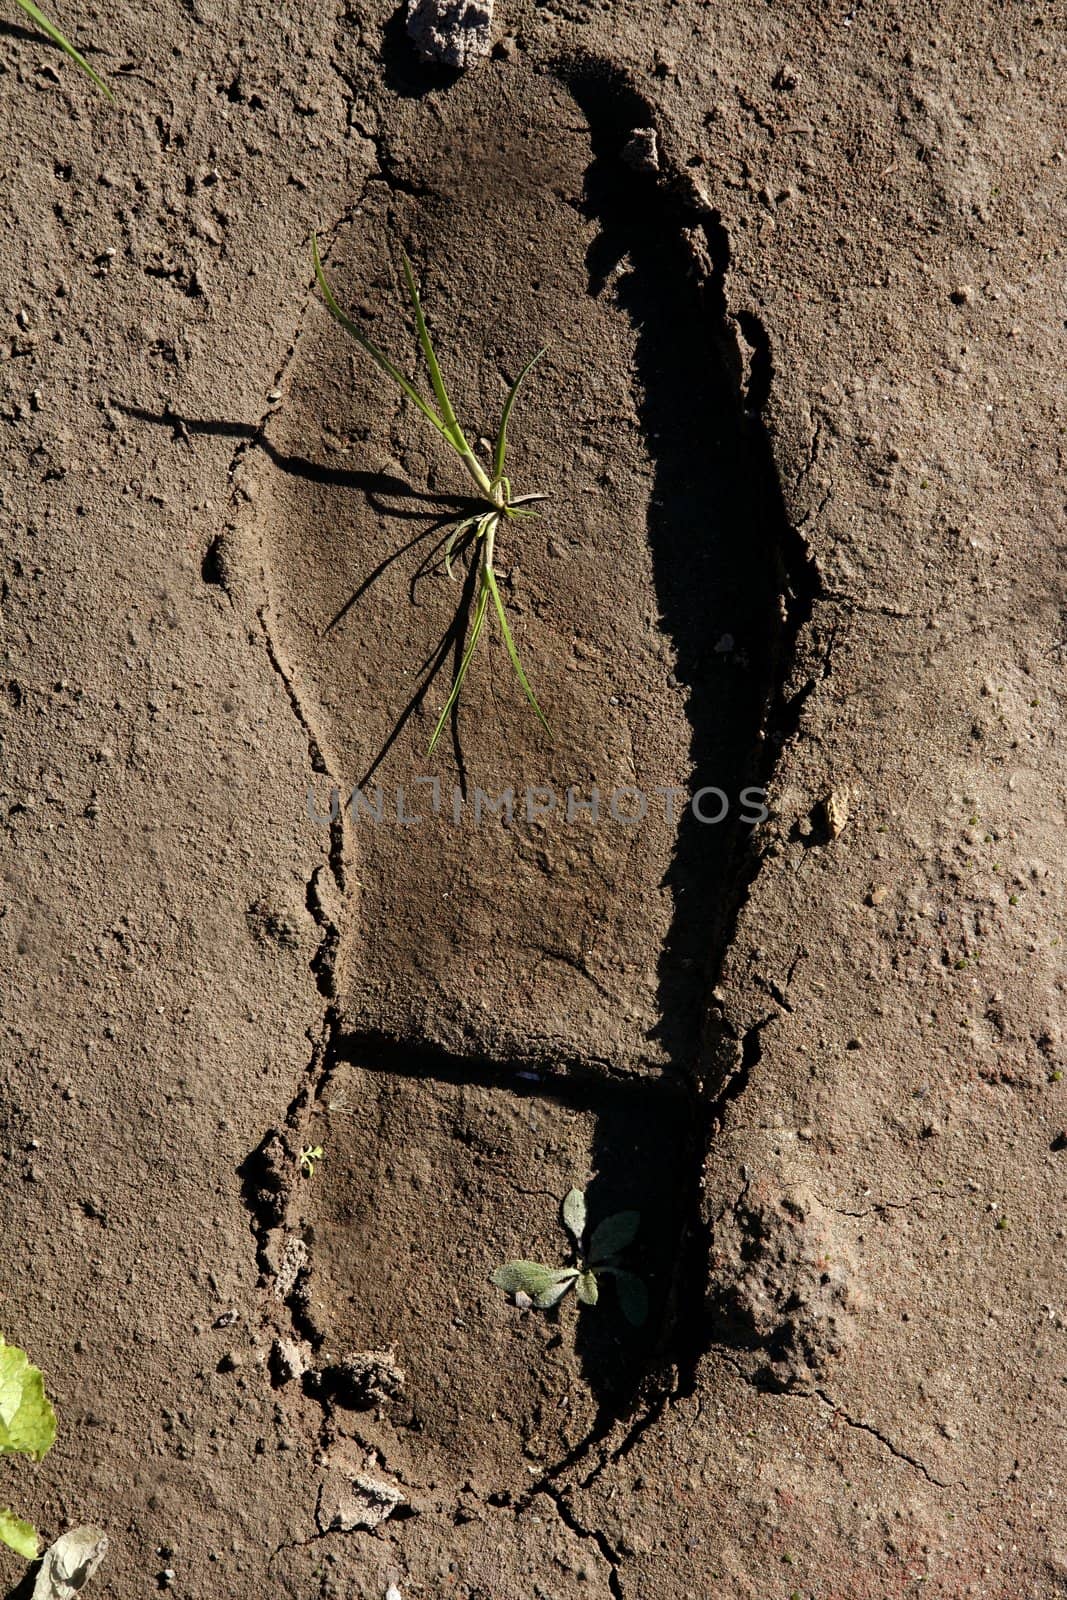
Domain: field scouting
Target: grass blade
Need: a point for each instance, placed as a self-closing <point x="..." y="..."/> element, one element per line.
<point x="490" y="581"/>
<point x="372" y="350"/>
<point x="53" y="33"/>
<point x="476" y="628"/>
<point x="457" y="533"/>
<point x="450" y="420"/>
<point x="502" y="436"/>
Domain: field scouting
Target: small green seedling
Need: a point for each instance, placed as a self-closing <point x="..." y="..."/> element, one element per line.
<point x="500" y="504"/>
<point x="540" y="1287"/>
<point x="308" y="1157"/>
<point x="27" y="1428"/>
<point x="50" y="30"/>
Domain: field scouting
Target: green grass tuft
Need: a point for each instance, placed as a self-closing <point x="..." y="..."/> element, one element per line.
<point x="480" y="529"/>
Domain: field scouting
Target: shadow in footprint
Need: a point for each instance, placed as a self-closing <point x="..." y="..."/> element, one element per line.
<point x="646" y="1152"/>
<point x="716" y="528"/>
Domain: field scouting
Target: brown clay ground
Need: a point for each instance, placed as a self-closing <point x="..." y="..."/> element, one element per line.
<point x="800" y="420"/>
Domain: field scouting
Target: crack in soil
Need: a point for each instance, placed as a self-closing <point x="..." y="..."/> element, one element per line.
<point x="569" y="1520"/>
<point x="877" y="1206"/>
<point x="876" y="1433"/>
<point x="795" y="1392"/>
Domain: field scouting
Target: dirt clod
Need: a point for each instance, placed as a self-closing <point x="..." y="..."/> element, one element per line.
<point x="288" y="1262"/>
<point x="780" y="1288"/>
<point x="287" y="1361"/>
<point x="451" y="33"/>
<point x="834" y="812"/>
<point x="641" y="150"/>
<point x="364" y="1378"/>
<point x="358" y="1502"/>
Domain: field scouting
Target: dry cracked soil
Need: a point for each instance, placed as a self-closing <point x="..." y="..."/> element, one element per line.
<point x="766" y="942"/>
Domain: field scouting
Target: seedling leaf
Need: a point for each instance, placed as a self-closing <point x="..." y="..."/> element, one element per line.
<point x="574" y="1215"/>
<point x="522" y="1277"/>
<point x="512" y="652"/>
<point x="27" y="1421"/>
<point x="543" y="1285"/>
<point x="447" y="413"/>
<point x="372" y="350"/>
<point x="53" y="33"/>
<point x="633" y="1298"/>
<point x="454" y="537"/>
<point x="613" y="1235"/>
<point x="502" y="436"/>
<point x="20" y="1536"/>
<point x="563" y="1277"/>
<point x="587" y="1289"/>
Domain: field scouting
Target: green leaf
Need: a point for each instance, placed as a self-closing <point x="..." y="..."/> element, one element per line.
<point x="502" y="436"/>
<point x="633" y="1298"/>
<point x="450" y="420"/>
<point x="20" y="1536"/>
<point x="457" y="533"/>
<point x="522" y="1277"/>
<point x="457" y="683"/>
<point x="574" y="1214"/>
<point x="562" y="1279"/>
<point x="372" y="350"/>
<point x="613" y="1235"/>
<point x="543" y="1285"/>
<point x="490" y="580"/>
<point x="27" y="1421"/>
<point x="53" y="33"/>
<point x="587" y="1289"/>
